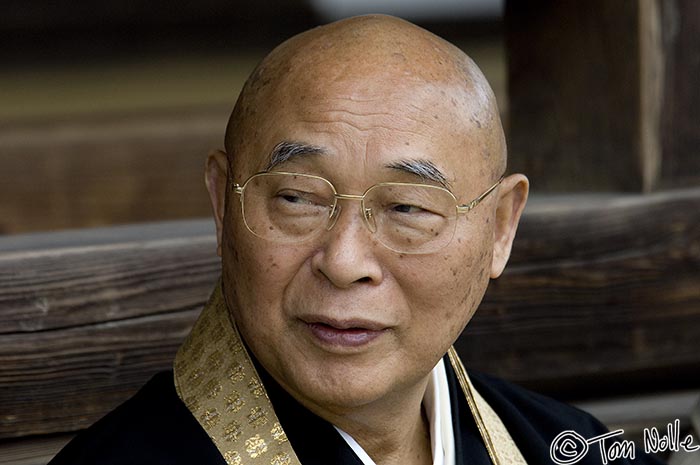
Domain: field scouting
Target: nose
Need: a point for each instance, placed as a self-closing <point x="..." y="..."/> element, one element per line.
<point x="347" y="255"/>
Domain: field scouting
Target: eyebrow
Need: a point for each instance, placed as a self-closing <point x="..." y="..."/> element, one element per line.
<point x="424" y="169"/>
<point x="287" y="150"/>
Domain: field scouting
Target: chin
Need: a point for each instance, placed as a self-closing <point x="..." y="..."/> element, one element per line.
<point x="344" y="397"/>
<point x="339" y="389"/>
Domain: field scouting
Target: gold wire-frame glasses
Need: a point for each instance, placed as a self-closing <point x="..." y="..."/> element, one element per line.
<point x="287" y="207"/>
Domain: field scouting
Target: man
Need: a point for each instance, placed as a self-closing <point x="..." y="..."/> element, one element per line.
<point x="361" y="208"/>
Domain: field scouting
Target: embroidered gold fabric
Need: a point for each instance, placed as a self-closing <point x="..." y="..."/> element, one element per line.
<point x="217" y="381"/>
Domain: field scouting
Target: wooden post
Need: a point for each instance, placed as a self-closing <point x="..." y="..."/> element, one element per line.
<point x="680" y="117"/>
<point x="603" y="95"/>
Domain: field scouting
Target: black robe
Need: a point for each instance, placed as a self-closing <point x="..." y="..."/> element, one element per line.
<point x="155" y="428"/>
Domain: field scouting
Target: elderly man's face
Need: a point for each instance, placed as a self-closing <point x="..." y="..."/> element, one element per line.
<point x="341" y="321"/>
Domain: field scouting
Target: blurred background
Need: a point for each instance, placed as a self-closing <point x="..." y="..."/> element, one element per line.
<point x="109" y="108"/>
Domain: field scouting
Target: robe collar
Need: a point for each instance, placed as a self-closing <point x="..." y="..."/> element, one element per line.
<point x="217" y="380"/>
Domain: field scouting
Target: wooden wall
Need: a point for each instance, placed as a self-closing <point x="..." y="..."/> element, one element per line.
<point x="89" y="315"/>
<point x="600" y="299"/>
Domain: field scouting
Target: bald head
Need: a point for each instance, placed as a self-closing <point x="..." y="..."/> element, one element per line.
<point x="379" y="111"/>
<point x="357" y="55"/>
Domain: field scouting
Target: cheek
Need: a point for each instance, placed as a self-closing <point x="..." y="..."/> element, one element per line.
<point x="258" y="272"/>
<point x="450" y="288"/>
<point x="474" y="275"/>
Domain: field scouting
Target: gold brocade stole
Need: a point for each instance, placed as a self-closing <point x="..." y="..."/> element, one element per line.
<point x="499" y="443"/>
<point x="216" y="379"/>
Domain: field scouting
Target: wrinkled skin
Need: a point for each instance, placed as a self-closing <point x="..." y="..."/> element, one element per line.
<point x="370" y="91"/>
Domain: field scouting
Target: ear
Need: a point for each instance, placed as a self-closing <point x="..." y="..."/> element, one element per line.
<point x="215" y="177"/>
<point x="512" y="196"/>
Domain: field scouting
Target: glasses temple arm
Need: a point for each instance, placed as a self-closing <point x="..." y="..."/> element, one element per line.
<point x="469" y="206"/>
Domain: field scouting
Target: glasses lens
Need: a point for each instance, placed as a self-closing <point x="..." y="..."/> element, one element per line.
<point x="412" y="218"/>
<point x="286" y="207"/>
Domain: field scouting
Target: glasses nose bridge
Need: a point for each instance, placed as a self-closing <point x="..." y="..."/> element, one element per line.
<point x="349" y="197"/>
<point x="366" y="212"/>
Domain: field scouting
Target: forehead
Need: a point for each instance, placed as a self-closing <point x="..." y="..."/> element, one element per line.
<point x="379" y="103"/>
<point x="372" y="122"/>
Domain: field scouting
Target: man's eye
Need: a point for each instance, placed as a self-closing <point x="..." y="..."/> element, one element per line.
<point x="294" y="199"/>
<point x="405" y="208"/>
<point x="299" y="198"/>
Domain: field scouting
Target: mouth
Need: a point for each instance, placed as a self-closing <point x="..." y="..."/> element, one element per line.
<point x="344" y="333"/>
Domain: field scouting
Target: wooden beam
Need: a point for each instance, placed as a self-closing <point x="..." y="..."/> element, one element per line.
<point x="104" y="170"/>
<point x="601" y="297"/>
<point x="86" y="322"/>
<point x="635" y="414"/>
<point x="33" y="450"/>
<point x="682" y="457"/>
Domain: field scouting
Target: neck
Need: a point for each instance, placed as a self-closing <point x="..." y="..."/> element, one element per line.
<point x="395" y="431"/>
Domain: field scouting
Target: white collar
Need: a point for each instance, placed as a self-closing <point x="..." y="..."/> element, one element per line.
<point x="437" y="406"/>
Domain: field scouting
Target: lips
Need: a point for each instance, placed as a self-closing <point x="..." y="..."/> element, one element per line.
<point x="344" y="333"/>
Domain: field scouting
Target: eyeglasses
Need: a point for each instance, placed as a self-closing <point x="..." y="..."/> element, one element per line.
<point x="407" y="218"/>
